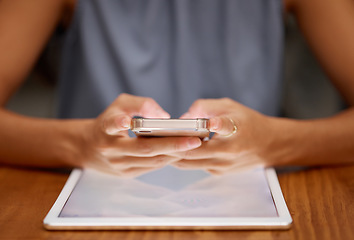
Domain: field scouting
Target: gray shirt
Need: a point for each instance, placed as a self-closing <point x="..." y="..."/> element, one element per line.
<point x="174" y="51"/>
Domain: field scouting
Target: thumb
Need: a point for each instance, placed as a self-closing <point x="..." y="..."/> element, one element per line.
<point x="224" y="126"/>
<point x="114" y="124"/>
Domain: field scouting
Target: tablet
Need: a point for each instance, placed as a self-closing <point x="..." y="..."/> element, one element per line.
<point x="170" y="199"/>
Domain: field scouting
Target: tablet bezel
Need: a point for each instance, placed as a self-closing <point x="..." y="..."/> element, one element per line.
<point x="53" y="222"/>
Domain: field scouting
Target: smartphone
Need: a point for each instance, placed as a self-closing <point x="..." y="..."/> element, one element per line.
<point x="170" y="127"/>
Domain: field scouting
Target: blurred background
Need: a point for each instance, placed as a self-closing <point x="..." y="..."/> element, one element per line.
<point x="308" y="93"/>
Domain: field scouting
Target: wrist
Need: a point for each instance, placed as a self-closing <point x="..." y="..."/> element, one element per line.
<point x="75" y="147"/>
<point x="285" y="136"/>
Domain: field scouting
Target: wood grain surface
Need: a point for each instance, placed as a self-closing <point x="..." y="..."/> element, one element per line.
<point x="320" y="200"/>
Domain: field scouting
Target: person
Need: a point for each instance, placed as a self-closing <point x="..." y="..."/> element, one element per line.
<point x="155" y="58"/>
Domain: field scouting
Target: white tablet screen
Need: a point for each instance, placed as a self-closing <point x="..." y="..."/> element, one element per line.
<point x="171" y="193"/>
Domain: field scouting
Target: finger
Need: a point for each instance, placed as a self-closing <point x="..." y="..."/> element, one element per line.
<point x="148" y="147"/>
<point x="189" y="115"/>
<point x="105" y="166"/>
<point x="210" y="149"/>
<point x="137" y="171"/>
<point x="129" y="162"/>
<point x="160" y="146"/>
<point x="102" y="166"/>
<point x="196" y="110"/>
<point x="223" y="125"/>
<point x="207" y="108"/>
<point x="241" y="165"/>
<point x="217" y="164"/>
<point x="115" y="124"/>
<point x="241" y="168"/>
<point x="140" y="106"/>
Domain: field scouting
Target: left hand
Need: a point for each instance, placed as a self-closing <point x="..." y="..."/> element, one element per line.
<point x="252" y="145"/>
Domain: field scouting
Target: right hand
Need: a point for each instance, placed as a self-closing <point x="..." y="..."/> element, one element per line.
<point x="107" y="146"/>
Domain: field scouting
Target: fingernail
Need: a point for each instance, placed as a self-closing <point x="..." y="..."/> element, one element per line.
<point x="215" y="124"/>
<point x="194" y="142"/>
<point x="125" y="122"/>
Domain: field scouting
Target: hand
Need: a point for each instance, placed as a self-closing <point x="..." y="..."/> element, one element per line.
<point x="250" y="146"/>
<point x="108" y="147"/>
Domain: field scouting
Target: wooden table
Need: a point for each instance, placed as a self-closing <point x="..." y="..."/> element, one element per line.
<point x="320" y="200"/>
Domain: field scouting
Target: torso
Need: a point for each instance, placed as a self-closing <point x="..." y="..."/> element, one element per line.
<point x="174" y="52"/>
